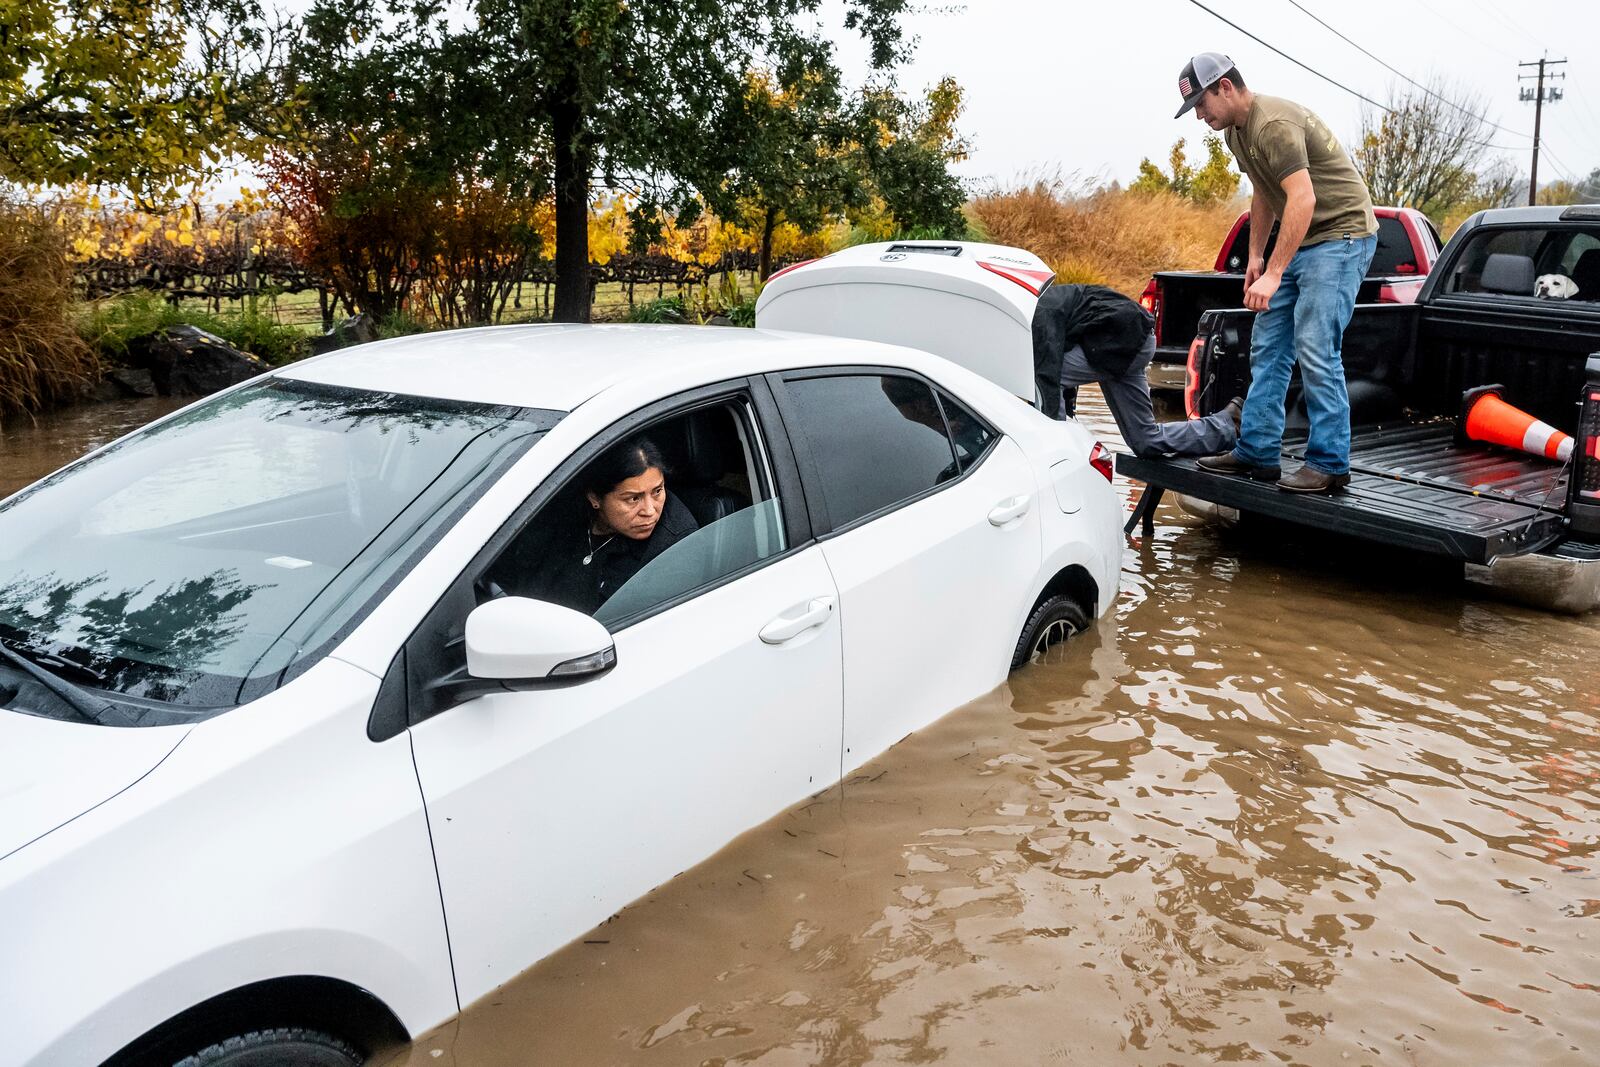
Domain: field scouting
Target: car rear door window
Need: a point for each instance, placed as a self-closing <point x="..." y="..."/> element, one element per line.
<point x="971" y="435"/>
<point x="876" y="440"/>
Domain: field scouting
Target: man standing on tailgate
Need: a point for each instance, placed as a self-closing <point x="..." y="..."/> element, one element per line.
<point x="1302" y="178"/>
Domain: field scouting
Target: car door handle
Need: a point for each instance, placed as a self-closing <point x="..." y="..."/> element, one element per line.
<point x="1011" y="508"/>
<point x="798" y="620"/>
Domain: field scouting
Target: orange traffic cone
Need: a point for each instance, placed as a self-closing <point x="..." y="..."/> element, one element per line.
<point x="1486" y="417"/>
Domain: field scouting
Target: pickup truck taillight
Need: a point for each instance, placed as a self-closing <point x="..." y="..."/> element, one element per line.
<point x="1150" y="300"/>
<point x="1191" y="387"/>
<point x="1100" y="460"/>
<point x="1583" y="492"/>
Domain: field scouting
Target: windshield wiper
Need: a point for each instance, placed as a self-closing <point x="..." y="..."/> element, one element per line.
<point x="79" y="700"/>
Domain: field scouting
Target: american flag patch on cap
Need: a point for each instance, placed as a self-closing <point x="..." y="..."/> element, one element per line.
<point x="1183" y="86"/>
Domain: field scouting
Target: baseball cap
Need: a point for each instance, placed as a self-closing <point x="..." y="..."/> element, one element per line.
<point x="1198" y="75"/>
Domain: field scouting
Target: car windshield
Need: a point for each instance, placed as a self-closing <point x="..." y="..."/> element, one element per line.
<point x="204" y="560"/>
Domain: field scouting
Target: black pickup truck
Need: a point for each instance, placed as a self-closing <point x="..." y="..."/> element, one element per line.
<point x="1526" y="526"/>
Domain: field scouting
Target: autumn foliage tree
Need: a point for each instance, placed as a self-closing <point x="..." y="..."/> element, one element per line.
<point x="142" y="95"/>
<point x="910" y="147"/>
<point x="797" y="156"/>
<point x="402" y="188"/>
<point x="1427" y="148"/>
<point x="1213" y="182"/>
<point x="634" y="97"/>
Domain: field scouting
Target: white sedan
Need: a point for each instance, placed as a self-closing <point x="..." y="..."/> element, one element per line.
<point x="300" y="751"/>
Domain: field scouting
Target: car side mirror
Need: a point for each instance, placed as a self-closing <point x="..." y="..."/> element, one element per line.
<point x="516" y="640"/>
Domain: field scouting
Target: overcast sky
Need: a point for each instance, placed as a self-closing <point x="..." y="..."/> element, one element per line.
<point x="1090" y="87"/>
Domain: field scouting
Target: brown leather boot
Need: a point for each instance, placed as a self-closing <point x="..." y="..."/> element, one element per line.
<point x="1311" y="480"/>
<point x="1228" y="463"/>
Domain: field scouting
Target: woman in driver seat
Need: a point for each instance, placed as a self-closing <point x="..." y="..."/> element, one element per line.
<point x="628" y="520"/>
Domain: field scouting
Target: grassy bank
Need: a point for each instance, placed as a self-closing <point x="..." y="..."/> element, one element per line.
<point x="1105" y="236"/>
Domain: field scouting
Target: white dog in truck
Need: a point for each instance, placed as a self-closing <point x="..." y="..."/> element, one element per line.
<point x="1555" y="287"/>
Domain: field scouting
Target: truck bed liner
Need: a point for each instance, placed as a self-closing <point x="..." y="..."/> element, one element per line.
<point x="1410" y="487"/>
<point x="1428" y="453"/>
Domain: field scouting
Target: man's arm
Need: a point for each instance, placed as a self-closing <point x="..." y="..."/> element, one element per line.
<point x="1261" y="220"/>
<point x="1291" y="231"/>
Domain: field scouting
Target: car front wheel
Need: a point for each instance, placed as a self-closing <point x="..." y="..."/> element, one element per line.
<point x="282" y="1047"/>
<point x="1052" y="622"/>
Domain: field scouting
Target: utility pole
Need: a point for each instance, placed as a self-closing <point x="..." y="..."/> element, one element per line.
<point x="1539" y="94"/>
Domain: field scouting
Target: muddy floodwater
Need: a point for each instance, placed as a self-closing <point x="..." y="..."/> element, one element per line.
<point x="1291" y="801"/>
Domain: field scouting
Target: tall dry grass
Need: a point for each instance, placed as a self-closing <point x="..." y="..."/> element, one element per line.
<point x="1104" y="236"/>
<point x="43" y="361"/>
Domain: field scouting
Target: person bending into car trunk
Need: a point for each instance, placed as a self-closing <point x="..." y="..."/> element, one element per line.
<point x="628" y="519"/>
<point x="1088" y="333"/>
<point x="1302" y="177"/>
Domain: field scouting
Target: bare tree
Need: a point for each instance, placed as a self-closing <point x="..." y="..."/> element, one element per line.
<point x="1500" y="185"/>
<point x="1426" y="151"/>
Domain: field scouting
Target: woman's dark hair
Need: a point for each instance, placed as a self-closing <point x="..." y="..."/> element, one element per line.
<point x="629" y="459"/>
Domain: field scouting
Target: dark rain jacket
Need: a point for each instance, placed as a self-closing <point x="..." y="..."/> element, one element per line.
<point x="563" y="578"/>
<point x="1110" y="327"/>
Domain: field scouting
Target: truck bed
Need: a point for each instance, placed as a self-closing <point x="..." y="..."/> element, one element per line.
<point x="1411" y="486"/>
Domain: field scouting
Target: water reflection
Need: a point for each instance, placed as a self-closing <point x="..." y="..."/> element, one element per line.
<point x="145" y="644"/>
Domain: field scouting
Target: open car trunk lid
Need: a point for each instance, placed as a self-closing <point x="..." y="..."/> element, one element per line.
<point x="971" y="303"/>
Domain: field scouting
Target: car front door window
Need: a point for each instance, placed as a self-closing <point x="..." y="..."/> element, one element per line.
<point x="554" y="807"/>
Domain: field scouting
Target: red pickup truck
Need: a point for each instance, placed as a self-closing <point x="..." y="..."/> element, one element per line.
<point x="1408" y="246"/>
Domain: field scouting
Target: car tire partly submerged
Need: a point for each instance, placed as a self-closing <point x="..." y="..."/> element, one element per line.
<point x="1052" y="622"/>
<point x="282" y="1047"/>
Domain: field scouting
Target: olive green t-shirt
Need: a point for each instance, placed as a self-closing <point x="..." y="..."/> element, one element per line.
<point x="1280" y="137"/>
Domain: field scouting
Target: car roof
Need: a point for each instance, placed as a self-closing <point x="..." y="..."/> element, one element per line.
<point x="559" y="366"/>
<point x="1501" y="216"/>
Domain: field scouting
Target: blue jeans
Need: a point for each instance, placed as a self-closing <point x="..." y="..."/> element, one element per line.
<point x="1304" y="322"/>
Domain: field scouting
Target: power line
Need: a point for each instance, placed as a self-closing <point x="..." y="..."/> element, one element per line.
<point x="1455" y="24"/>
<point x="1290" y="58"/>
<point x="1407" y="77"/>
<point x="1491" y="9"/>
<point x="1569" y="175"/>
<point x="1324" y="77"/>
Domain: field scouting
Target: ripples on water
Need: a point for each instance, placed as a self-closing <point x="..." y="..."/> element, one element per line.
<point x="1291" y="803"/>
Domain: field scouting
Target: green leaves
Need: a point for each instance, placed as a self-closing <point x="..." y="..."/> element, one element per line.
<point x="104" y="91"/>
<point x="1215" y="182"/>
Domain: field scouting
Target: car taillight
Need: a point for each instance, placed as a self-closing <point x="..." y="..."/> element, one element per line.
<point x="1035" y="281"/>
<point x="790" y="267"/>
<point x="1100" y="460"/>
<point x="1583" y="493"/>
<point x="1191" y="387"/>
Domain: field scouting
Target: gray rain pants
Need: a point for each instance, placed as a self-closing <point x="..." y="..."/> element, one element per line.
<point x="1128" y="396"/>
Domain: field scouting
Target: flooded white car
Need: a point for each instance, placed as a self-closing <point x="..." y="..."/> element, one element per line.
<point x="332" y="702"/>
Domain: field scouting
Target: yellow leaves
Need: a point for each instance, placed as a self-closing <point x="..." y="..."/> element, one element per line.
<point x="608" y="229"/>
